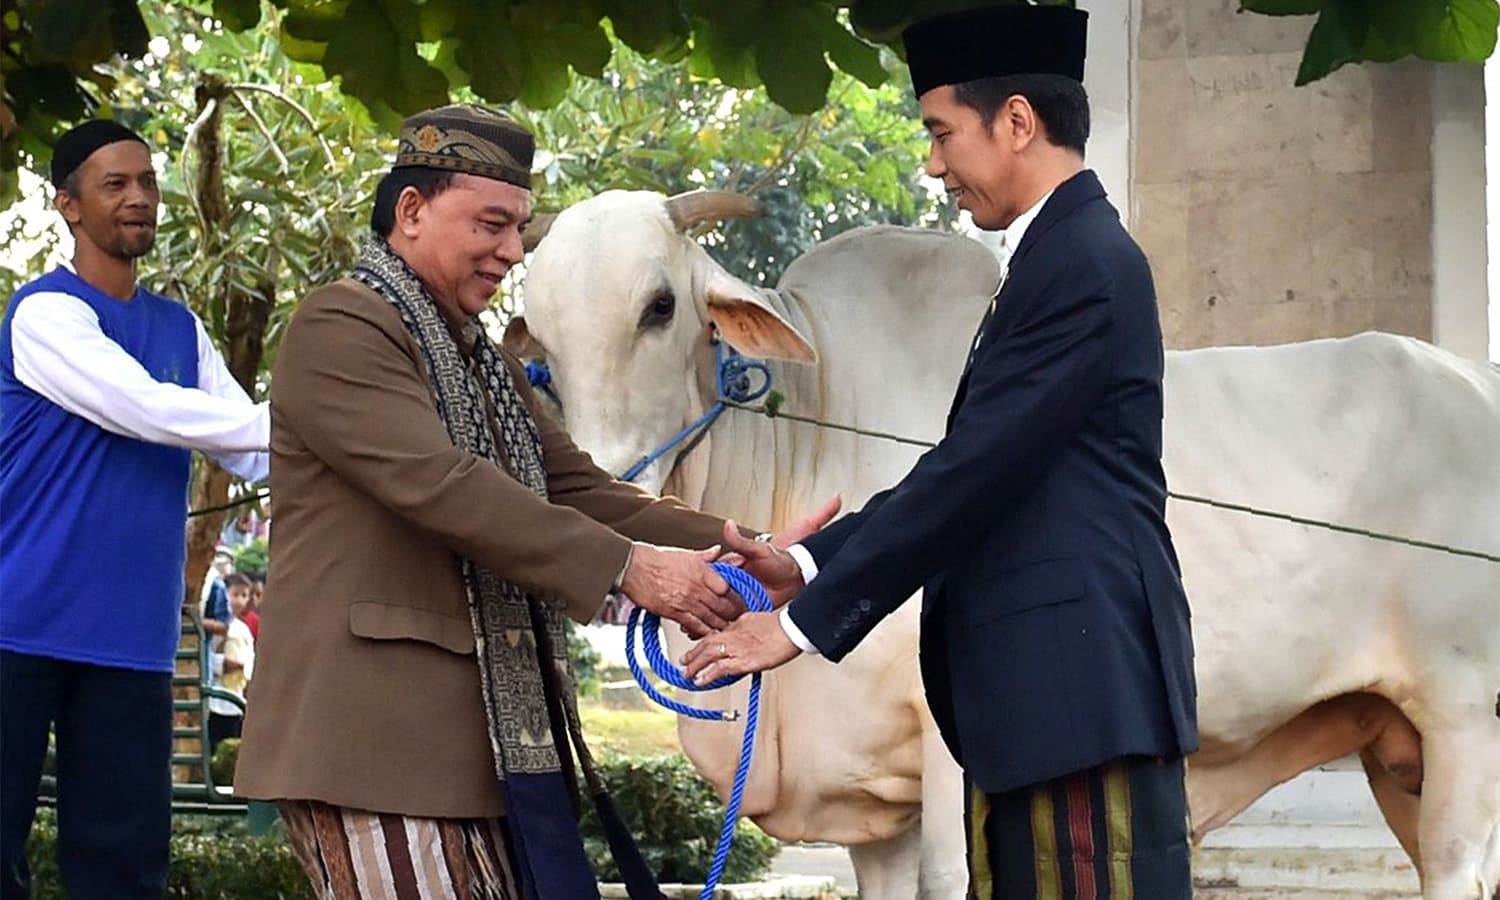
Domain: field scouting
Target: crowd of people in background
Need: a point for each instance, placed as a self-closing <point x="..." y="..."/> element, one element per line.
<point x="229" y="608"/>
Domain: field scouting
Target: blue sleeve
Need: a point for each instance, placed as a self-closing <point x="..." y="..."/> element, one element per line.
<point x="217" y="606"/>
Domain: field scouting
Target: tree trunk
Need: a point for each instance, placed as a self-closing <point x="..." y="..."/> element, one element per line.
<point x="244" y="319"/>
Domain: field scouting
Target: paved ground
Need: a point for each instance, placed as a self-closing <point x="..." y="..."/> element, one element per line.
<point x="1262" y="873"/>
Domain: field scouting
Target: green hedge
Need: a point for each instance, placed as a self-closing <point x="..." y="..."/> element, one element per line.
<point x="675" y="818"/>
<point x="673" y="814"/>
<point x="206" y="866"/>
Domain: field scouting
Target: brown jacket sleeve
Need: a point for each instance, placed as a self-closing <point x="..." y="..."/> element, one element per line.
<point x="352" y="386"/>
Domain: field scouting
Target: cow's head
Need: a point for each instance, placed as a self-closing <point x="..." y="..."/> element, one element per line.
<point x="621" y="302"/>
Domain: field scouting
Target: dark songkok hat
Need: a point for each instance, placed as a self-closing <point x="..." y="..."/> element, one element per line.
<point x="79" y="143"/>
<point x="470" y="139"/>
<point x="995" y="41"/>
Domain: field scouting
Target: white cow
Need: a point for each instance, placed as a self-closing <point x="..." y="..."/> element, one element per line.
<point x="1311" y="644"/>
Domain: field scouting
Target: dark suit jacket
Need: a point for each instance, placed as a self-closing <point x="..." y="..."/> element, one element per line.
<point x="1055" y="631"/>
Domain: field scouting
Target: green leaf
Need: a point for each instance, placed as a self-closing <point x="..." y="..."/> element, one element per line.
<point x="1383" y="30"/>
<point x="546" y="80"/>
<point x="497" y="66"/>
<point x="853" y="55"/>
<point x="882" y="21"/>
<point x="1282" y="7"/>
<point x="315" y="20"/>
<point x="790" y="60"/>
<point x="1456" y="30"/>
<point x="131" y="34"/>
<point x="721" y="52"/>
<point x="65" y="30"/>
<point x="300" y="50"/>
<point x="1337" y="38"/>
<point x="237" y="15"/>
<point x="378" y="65"/>
<point x="436" y="19"/>
<point x="585" y="47"/>
<point x="656" y="28"/>
<point x="446" y="61"/>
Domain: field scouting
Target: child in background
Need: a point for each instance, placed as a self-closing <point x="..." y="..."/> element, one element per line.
<point x="233" y="664"/>
<point x="252" y="612"/>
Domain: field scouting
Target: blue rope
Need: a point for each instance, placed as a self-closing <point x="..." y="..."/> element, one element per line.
<point x="540" y="377"/>
<point x="734" y="384"/>
<point x="755" y="598"/>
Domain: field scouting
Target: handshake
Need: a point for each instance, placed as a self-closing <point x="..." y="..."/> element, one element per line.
<point x="679" y="584"/>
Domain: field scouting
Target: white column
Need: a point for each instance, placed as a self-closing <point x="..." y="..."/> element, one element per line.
<point x="1461" y="277"/>
<point x="1492" y="199"/>
<point x="1109" y="75"/>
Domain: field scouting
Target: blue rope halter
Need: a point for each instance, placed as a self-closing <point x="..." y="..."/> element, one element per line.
<point x="734" y="383"/>
<point x="756" y="599"/>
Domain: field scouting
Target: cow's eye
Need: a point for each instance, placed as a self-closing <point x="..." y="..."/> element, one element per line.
<point x="659" y="311"/>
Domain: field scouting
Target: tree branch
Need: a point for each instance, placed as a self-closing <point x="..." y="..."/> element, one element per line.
<point x="299" y="108"/>
<point x="260" y="126"/>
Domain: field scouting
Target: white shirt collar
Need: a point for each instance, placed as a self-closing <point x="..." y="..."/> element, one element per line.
<point x="1017" y="230"/>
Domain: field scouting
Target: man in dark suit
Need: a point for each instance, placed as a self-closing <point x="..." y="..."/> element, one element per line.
<point x="1056" y="648"/>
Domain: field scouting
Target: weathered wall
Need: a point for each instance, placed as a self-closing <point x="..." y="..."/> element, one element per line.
<point x="1273" y="213"/>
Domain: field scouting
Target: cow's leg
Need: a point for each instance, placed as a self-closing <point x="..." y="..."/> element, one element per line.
<point x="1400" y="807"/>
<point x="1219" y="790"/>
<point x="944" y="874"/>
<point x="887" y="870"/>
<point x="1460" y="814"/>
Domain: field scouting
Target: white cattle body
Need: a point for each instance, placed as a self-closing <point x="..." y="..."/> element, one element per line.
<point x="1375" y="431"/>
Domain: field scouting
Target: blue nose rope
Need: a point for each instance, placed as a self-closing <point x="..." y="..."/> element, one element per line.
<point x="736" y="380"/>
<point x="756" y="599"/>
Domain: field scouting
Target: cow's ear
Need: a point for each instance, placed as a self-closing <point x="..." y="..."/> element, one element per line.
<point x="750" y="325"/>
<point x="519" y="342"/>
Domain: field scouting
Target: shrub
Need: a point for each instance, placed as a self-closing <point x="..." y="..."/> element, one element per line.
<point x="583" y="659"/>
<point x="222" y="764"/>
<point x="252" y="557"/>
<point x="675" y="818"/>
<point x="205" y="866"/>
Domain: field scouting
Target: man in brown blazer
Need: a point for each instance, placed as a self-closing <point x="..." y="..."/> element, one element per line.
<point x="412" y="710"/>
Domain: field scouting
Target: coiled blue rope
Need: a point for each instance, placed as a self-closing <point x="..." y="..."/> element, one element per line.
<point x="756" y="599"/>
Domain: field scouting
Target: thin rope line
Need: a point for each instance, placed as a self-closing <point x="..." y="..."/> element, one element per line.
<point x="1186" y="498"/>
<point x="248" y="498"/>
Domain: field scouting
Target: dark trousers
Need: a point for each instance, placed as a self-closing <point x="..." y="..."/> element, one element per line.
<point x="114" y="775"/>
<point x="220" y="727"/>
<point x="1115" y="832"/>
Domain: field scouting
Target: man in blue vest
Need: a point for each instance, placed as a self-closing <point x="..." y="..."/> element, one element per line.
<point x="105" y="389"/>
<point x="1056" y="652"/>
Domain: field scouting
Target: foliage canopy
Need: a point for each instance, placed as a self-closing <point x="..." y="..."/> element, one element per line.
<point x="399" y="56"/>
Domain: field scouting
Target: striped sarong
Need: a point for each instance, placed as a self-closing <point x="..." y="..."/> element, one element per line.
<point x="351" y="854"/>
<point x="1116" y="832"/>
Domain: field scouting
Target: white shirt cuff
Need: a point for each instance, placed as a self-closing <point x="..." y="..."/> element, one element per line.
<point x="795" y="635"/>
<point x="805" y="562"/>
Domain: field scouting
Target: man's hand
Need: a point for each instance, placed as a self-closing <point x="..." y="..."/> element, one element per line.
<point x="769" y="562"/>
<point x="678" y="585"/>
<point x="755" y="643"/>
